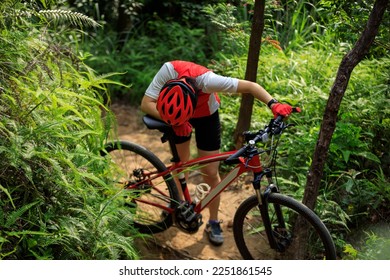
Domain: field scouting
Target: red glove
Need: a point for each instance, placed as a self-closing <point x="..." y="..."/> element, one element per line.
<point x="182" y="130"/>
<point x="281" y="109"/>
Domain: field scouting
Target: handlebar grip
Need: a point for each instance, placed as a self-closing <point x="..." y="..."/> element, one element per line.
<point x="296" y="110"/>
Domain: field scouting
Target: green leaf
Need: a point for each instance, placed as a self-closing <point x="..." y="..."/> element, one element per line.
<point x="348" y="185"/>
<point x="26" y="232"/>
<point x="369" y="156"/>
<point x="18" y="213"/>
<point x="348" y="249"/>
<point x="346" y="154"/>
<point x="8" y="194"/>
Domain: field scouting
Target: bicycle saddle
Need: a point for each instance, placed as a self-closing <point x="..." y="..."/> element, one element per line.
<point x="166" y="129"/>
<point x="153" y="123"/>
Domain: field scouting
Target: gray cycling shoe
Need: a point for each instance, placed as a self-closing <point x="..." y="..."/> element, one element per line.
<point x="214" y="232"/>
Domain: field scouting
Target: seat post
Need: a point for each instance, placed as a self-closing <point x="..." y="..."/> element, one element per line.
<point x="169" y="136"/>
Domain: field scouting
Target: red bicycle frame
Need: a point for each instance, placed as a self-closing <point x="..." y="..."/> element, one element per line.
<point x="253" y="164"/>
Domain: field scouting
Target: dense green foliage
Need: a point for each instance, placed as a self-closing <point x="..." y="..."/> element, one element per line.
<point x="53" y="83"/>
<point x="52" y="177"/>
<point x="356" y="180"/>
<point x="355" y="188"/>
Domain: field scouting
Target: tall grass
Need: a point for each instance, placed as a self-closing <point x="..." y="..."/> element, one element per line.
<point x="295" y="24"/>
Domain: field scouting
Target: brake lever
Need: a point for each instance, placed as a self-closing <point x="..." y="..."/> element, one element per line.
<point x="248" y="160"/>
<point x="278" y="128"/>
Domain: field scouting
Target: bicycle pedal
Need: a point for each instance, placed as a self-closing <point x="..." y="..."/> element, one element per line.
<point x="188" y="213"/>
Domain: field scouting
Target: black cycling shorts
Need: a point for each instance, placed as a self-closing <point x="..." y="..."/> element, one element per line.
<point x="207" y="133"/>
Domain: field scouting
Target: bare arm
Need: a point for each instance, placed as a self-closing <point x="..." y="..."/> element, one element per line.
<point x="148" y="106"/>
<point x="254" y="89"/>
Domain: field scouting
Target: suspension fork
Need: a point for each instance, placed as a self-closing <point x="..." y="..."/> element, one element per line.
<point x="262" y="198"/>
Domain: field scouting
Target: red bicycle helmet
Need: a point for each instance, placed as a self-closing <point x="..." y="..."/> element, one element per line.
<point x="177" y="101"/>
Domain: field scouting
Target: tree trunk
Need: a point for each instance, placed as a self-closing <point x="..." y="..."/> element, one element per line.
<point x="348" y="63"/>
<point x="246" y="106"/>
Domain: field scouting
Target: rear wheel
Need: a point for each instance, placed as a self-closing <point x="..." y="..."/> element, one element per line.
<point x="135" y="170"/>
<point x="251" y="237"/>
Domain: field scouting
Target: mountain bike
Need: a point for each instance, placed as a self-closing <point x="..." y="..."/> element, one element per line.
<point x="267" y="225"/>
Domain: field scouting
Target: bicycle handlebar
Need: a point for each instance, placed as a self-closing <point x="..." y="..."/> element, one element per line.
<point x="275" y="127"/>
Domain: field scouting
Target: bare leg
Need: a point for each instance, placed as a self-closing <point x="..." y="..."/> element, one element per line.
<point x="184" y="154"/>
<point x="212" y="178"/>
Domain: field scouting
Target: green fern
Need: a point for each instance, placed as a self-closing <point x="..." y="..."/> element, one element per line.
<point x="74" y="18"/>
<point x="52" y="177"/>
<point x="12" y="12"/>
<point x="15" y="215"/>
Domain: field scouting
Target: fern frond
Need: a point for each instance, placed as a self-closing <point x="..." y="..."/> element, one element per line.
<point x="73" y="17"/>
<point x="18" y="213"/>
<point x="59" y="16"/>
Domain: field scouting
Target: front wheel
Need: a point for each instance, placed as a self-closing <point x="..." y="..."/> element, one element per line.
<point x="251" y="237"/>
<point x="136" y="169"/>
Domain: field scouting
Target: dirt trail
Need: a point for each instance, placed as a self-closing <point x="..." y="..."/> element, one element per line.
<point x="173" y="243"/>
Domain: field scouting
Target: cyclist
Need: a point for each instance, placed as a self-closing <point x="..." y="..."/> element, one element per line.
<point x="184" y="95"/>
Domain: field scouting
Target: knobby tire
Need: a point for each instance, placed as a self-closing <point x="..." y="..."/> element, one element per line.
<point x="251" y="238"/>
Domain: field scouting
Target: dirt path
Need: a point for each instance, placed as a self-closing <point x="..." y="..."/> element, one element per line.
<point x="173" y="243"/>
